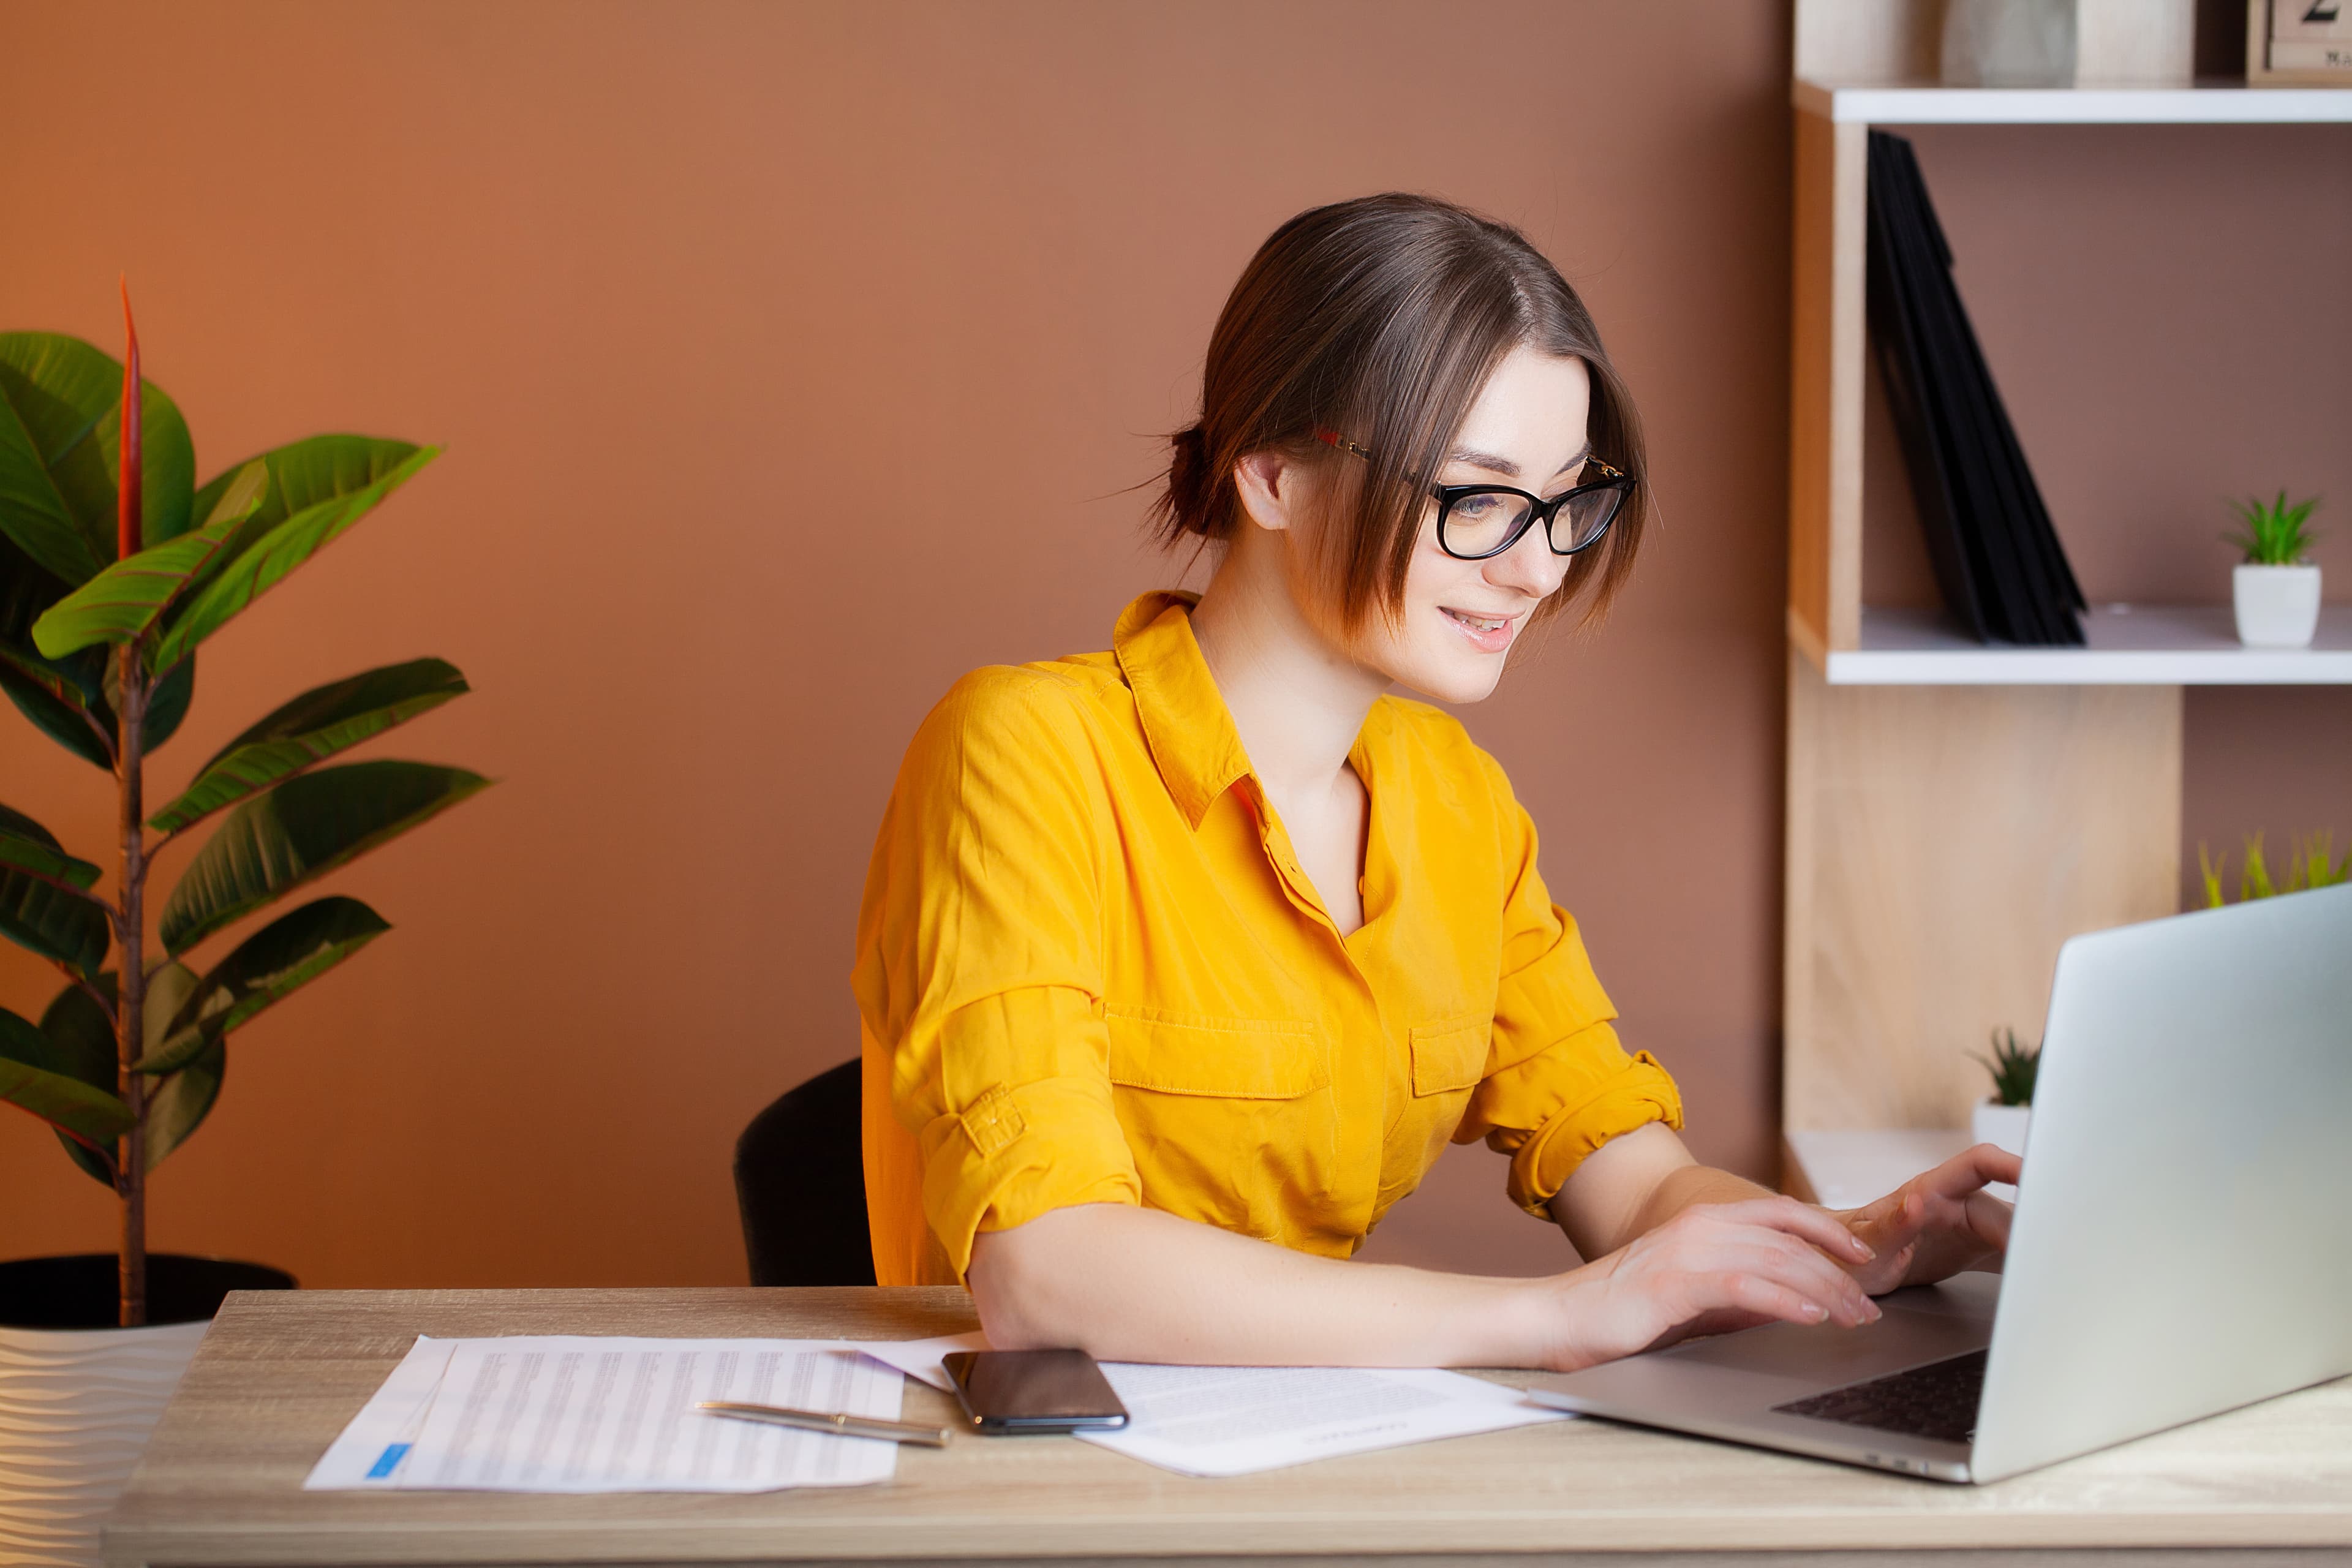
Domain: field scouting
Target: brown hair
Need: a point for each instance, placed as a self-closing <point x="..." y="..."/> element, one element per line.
<point x="1381" y="318"/>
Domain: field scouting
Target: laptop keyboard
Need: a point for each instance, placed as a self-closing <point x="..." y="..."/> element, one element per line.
<point x="1939" y="1400"/>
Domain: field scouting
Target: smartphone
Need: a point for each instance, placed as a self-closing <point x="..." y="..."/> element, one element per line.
<point x="1035" y="1391"/>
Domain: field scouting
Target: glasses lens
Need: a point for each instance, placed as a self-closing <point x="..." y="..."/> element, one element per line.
<point x="1480" y="520"/>
<point x="1585" y="518"/>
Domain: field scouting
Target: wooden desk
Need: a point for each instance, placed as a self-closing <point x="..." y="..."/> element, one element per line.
<point x="279" y="1375"/>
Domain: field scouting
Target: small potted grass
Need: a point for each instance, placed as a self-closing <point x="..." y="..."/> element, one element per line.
<point x="2311" y="864"/>
<point x="2001" y="1119"/>
<point x="2276" y="589"/>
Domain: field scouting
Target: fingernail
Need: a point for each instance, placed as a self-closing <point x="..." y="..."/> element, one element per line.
<point x="1864" y="1250"/>
<point x="1871" y="1307"/>
<point x="1812" y="1308"/>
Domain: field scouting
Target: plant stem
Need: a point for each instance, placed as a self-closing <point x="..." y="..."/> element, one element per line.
<point x="130" y="1006"/>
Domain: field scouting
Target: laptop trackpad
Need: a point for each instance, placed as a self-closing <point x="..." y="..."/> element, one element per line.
<point x="1922" y="1324"/>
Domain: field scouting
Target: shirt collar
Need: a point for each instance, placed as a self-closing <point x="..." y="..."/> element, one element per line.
<point x="1184" y="717"/>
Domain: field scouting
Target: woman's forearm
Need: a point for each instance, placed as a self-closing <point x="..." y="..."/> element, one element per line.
<point x="1636" y="1183"/>
<point x="1133" y="1283"/>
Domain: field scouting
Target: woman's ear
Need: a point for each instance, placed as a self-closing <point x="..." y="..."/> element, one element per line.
<point x="1271" y="487"/>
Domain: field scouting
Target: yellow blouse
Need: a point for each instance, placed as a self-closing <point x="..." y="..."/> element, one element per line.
<point x="1089" y="969"/>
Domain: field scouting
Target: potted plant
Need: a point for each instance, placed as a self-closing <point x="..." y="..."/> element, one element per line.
<point x="2275" y="590"/>
<point x="2312" y="865"/>
<point x="115" y="566"/>
<point x="2002" y="1120"/>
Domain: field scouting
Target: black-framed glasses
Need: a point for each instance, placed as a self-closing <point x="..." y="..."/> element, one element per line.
<point x="1476" y="522"/>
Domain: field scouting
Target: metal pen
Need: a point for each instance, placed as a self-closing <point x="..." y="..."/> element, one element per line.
<point x="840" y="1426"/>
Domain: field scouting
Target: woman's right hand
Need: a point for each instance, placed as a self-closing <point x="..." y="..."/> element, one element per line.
<point x="1712" y="1268"/>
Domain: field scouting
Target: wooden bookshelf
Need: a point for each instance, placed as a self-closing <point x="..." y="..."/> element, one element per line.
<point x="1954" y="811"/>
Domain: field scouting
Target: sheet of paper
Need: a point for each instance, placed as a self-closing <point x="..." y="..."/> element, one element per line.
<point x="920" y="1359"/>
<point x="572" y="1414"/>
<point x="1231" y="1421"/>
<point x="370" y="1450"/>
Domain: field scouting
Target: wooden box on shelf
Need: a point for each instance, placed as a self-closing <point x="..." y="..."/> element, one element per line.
<point x="2298" y="43"/>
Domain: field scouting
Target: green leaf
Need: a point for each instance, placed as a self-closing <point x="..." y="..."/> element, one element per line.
<point x="127" y="598"/>
<point x="28" y="847"/>
<point x="64" y="697"/>
<point x="59" y="718"/>
<point x="79" y="681"/>
<point x="272" y="963"/>
<point x="301" y="830"/>
<point x="25" y="590"/>
<point x="311" y="728"/>
<point x="181" y="1101"/>
<point x="167" y="703"/>
<point x="180" y="1105"/>
<point x="68" y="927"/>
<point x="82" y="1034"/>
<point x="60" y="412"/>
<point x="318" y="488"/>
<point x="53" y="696"/>
<point x="33" y="1077"/>
<point x="54" y="391"/>
<point x="167" y="699"/>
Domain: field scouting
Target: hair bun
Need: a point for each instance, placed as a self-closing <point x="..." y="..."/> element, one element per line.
<point x="1189" y="485"/>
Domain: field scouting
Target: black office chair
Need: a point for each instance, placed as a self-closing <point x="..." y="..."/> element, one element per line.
<point x="800" y="1182"/>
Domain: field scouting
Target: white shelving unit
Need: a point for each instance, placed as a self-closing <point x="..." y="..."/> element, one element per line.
<point x="1921" y="103"/>
<point x="2134" y="645"/>
<point x="1955" y="810"/>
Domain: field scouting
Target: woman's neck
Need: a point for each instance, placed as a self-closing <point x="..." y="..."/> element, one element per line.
<point x="1297" y="701"/>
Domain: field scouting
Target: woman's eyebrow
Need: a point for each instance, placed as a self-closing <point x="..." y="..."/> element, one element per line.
<point x="1486" y="460"/>
<point x="1580" y="454"/>
<point x="1504" y="466"/>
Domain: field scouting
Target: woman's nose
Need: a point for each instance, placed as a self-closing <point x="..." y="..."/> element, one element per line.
<point x="1529" y="565"/>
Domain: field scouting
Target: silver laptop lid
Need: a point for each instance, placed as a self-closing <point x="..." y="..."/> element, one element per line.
<point x="2183" y="1238"/>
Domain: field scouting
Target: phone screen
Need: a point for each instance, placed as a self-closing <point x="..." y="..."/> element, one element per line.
<point x="1035" y="1391"/>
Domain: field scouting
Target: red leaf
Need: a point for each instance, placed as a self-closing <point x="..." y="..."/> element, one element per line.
<point x="128" y="532"/>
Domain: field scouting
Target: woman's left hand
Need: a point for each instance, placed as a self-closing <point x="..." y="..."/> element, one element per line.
<point x="1937" y="1223"/>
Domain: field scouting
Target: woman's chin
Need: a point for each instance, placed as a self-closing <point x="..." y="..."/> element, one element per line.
<point x="1451" y="677"/>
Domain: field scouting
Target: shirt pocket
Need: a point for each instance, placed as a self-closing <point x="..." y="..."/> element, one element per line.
<point x="1230" y="1121"/>
<point x="1450" y="1054"/>
<point x="1222" y="1059"/>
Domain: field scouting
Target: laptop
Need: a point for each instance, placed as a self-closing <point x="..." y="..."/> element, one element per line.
<point x="2182" y="1243"/>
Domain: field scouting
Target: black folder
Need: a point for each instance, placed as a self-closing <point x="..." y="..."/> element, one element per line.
<point x="1998" y="561"/>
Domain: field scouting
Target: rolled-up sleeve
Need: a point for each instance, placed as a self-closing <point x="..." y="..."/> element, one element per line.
<point x="980" y="967"/>
<point x="1558" y="1083"/>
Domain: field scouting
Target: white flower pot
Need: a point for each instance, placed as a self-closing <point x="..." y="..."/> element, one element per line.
<point x="2010" y="43"/>
<point x="2278" y="607"/>
<point x="2003" y="1127"/>
<point x="76" y="1403"/>
<point x="76" y="1407"/>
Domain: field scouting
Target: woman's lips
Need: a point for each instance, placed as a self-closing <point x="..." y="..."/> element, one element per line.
<point x="1487" y="634"/>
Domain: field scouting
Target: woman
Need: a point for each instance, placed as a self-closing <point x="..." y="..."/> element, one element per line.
<point x="1180" y="963"/>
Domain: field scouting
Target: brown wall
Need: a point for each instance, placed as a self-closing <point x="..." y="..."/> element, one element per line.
<point x="791" y="360"/>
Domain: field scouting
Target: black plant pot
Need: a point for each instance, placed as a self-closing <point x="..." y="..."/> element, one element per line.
<point x="80" y="1290"/>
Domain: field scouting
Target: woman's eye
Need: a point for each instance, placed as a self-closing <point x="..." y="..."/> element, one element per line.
<point x="1471" y="508"/>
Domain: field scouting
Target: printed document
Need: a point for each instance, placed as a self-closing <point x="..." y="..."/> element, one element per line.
<point x="574" y="1413"/>
<point x="1232" y="1420"/>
